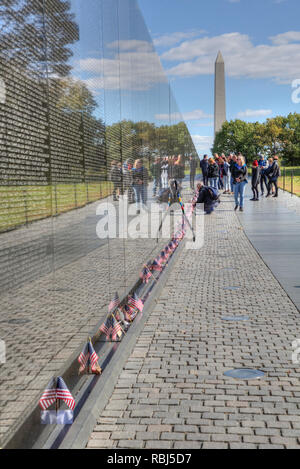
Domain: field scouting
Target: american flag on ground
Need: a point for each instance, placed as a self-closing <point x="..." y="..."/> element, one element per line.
<point x="106" y="327"/>
<point x="127" y="313"/>
<point x="115" y="302"/>
<point x="163" y="257"/>
<point x="88" y="356"/>
<point x="63" y="393"/>
<point x="135" y="302"/>
<point x="57" y="390"/>
<point x="49" y="395"/>
<point x="156" y="266"/>
<point x="116" y="330"/>
<point x="145" y="274"/>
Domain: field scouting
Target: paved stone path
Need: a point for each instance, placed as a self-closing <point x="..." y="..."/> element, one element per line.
<point x="172" y="392"/>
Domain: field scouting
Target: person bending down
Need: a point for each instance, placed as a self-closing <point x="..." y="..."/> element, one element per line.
<point x="208" y="196"/>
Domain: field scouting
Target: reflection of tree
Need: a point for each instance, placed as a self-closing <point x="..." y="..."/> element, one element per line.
<point x="22" y="34"/>
<point x="136" y="139"/>
<point x="74" y="95"/>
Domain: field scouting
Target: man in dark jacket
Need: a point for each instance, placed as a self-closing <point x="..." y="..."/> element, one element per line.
<point x="204" y="169"/>
<point x="209" y="197"/>
<point x="273" y="173"/>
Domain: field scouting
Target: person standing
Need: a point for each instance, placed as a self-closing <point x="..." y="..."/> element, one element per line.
<point x="240" y="175"/>
<point x="232" y="162"/>
<point x="264" y="165"/>
<point x="213" y="173"/>
<point x="116" y="178"/>
<point x="140" y="183"/>
<point x="156" y="173"/>
<point x="164" y="168"/>
<point x="193" y="168"/>
<point x="226" y="176"/>
<point x="255" y="180"/>
<point x="273" y="173"/>
<point x="179" y="170"/>
<point x="204" y="169"/>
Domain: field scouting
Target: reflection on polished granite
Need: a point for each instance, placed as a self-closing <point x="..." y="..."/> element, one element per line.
<point x="273" y="227"/>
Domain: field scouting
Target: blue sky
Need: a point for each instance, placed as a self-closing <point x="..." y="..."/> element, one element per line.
<point x="260" y="43"/>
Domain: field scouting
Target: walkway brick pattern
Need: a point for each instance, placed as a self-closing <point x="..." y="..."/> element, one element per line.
<point x="172" y="392"/>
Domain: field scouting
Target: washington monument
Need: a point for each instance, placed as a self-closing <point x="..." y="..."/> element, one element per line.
<point x="220" y="99"/>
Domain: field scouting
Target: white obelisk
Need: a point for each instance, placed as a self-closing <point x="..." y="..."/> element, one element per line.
<point x="220" y="96"/>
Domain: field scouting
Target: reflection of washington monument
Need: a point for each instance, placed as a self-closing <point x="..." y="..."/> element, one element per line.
<point x="220" y="97"/>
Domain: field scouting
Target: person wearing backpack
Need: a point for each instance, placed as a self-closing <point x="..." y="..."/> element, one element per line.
<point x="208" y="196"/>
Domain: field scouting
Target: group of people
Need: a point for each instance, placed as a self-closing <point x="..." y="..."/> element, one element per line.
<point x="230" y="173"/>
<point x="164" y="169"/>
<point x="134" y="177"/>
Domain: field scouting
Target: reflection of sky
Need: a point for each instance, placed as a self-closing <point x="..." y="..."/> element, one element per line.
<point x="118" y="56"/>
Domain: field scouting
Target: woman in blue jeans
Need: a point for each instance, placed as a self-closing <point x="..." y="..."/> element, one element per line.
<point x="240" y="175"/>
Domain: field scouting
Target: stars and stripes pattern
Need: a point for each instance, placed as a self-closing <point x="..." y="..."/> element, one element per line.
<point x="116" y="329"/>
<point x="63" y="393"/>
<point x="106" y="326"/>
<point x="57" y="391"/>
<point x="156" y="266"/>
<point x="135" y="302"/>
<point x="49" y="395"/>
<point x="145" y="274"/>
<point x="115" y="302"/>
<point x="88" y="356"/>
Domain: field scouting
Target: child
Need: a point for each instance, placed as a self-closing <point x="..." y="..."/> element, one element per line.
<point x="256" y="175"/>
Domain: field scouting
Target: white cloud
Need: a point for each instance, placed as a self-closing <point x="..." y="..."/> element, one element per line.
<point x="135" y="66"/>
<point x="279" y="61"/>
<point x="254" y="113"/>
<point x="202" y="143"/>
<point x="186" y="116"/>
<point x="168" y="40"/>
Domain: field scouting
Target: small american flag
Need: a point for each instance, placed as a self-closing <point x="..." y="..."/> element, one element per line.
<point x="107" y="326"/>
<point x="63" y="393"/>
<point x="135" y="302"/>
<point x="56" y="391"/>
<point x="145" y="275"/>
<point x="49" y="395"/>
<point x="156" y="266"/>
<point x="115" y="302"/>
<point x="163" y="256"/>
<point x="88" y="356"/>
<point x="116" y="330"/>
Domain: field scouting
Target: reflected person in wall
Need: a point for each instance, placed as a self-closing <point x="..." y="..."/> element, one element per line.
<point x="140" y="184"/>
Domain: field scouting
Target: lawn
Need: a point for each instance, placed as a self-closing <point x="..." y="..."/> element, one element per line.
<point x="290" y="179"/>
<point x="21" y="205"/>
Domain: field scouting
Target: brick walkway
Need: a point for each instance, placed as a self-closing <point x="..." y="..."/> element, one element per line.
<point x="172" y="392"/>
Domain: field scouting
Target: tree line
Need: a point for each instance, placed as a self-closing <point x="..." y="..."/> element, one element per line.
<point x="277" y="136"/>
